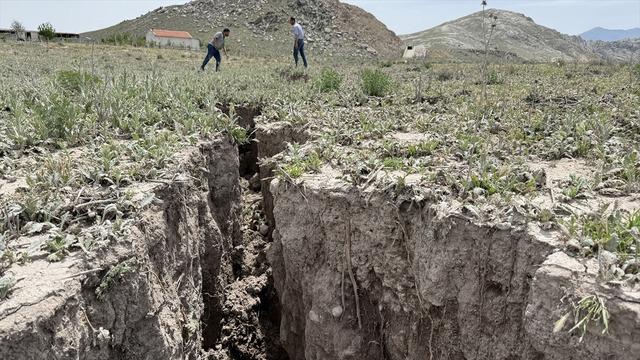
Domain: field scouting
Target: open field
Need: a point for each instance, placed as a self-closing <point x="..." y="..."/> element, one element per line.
<point x="475" y="222"/>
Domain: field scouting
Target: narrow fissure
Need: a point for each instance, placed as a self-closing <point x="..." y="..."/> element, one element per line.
<point x="249" y="325"/>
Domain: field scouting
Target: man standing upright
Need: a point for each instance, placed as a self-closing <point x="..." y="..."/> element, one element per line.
<point x="298" y="41"/>
<point x="214" y="47"/>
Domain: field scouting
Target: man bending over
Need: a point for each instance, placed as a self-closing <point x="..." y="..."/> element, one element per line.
<point x="214" y="47"/>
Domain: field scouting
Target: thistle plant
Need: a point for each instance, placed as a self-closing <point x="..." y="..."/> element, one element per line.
<point x="487" y="34"/>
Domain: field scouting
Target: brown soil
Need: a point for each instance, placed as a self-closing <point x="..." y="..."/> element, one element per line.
<point x="232" y="263"/>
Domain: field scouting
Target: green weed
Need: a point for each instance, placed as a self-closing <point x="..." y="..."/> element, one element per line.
<point x="76" y="81"/>
<point x="7" y="282"/>
<point x="329" y="80"/>
<point x="590" y="309"/>
<point x="375" y="82"/>
<point x="115" y="275"/>
<point x="576" y="188"/>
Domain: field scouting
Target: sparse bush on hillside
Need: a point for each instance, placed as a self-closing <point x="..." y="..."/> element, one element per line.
<point x="125" y="39"/>
<point x="444" y="75"/>
<point x="494" y="78"/>
<point x="330" y="80"/>
<point x="375" y="82"/>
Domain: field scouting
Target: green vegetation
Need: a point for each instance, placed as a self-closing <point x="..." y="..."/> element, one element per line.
<point x="114" y="276"/>
<point x="124" y="39"/>
<point x="576" y="188"/>
<point x="95" y="126"/>
<point x="76" y="81"/>
<point x="46" y="31"/>
<point x="329" y="80"/>
<point x="300" y="163"/>
<point x="7" y="282"/>
<point x="589" y="310"/>
<point x="607" y="230"/>
<point x="375" y="82"/>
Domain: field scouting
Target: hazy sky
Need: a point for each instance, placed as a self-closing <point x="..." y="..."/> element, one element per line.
<point x="401" y="16"/>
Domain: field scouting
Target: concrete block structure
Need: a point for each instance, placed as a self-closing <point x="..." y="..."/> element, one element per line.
<point x="419" y="52"/>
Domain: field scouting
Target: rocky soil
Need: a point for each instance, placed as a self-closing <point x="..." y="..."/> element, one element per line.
<point x="362" y="277"/>
<point x="260" y="26"/>
<point x="153" y="292"/>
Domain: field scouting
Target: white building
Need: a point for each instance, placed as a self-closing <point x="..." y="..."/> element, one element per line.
<point x="411" y="52"/>
<point x="170" y="38"/>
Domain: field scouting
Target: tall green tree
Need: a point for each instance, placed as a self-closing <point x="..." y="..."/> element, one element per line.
<point x="46" y="31"/>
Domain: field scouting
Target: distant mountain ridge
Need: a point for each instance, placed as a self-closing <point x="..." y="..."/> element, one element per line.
<point x="515" y="34"/>
<point x="621" y="50"/>
<point x="260" y="28"/>
<point x="602" y="34"/>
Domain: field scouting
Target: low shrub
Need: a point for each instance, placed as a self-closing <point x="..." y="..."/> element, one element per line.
<point x="444" y="75"/>
<point x="125" y="39"/>
<point x="375" y="82"/>
<point x="329" y="80"/>
<point x="76" y="81"/>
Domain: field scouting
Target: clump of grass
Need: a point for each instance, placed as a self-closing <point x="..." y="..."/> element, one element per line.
<point x="59" y="246"/>
<point x="611" y="231"/>
<point x="393" y="163"/>
<point x="329" y="80"/>
<point x="590" y="309"/>
<point x="499" y="179"/>
<point x="300" y="164"/>
<point x="76" y="81"/>
<point x="493" y="78"/>
<point x="114" y="276"/>
<point x="7" y="282"/>
<point x="576" y="188"/>
<point x="424" y="148"/>
<point x="375" y="82"/>
<point x="54" y="173"/>
<point x="292" y="74"/>
<point x="59" y="119"/>
<point x="444" y="75"/>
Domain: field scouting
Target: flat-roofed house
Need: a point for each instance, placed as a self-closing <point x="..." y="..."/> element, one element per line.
<point x="171" y="38"/>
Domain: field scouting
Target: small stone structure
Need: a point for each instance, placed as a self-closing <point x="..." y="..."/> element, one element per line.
<point x="170" y="38"/>
<point x="419" y="51"/>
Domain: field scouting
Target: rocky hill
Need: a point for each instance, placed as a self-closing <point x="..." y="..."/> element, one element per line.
<point x="515" y="34"/>
<point x="602" y="34"/>
<point x="259" y="27"/>
<point x="622" y="50"/>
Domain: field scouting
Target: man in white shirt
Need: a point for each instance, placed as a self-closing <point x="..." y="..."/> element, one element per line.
<point x="214" y="47"/>
<point x="298" y="41"/>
